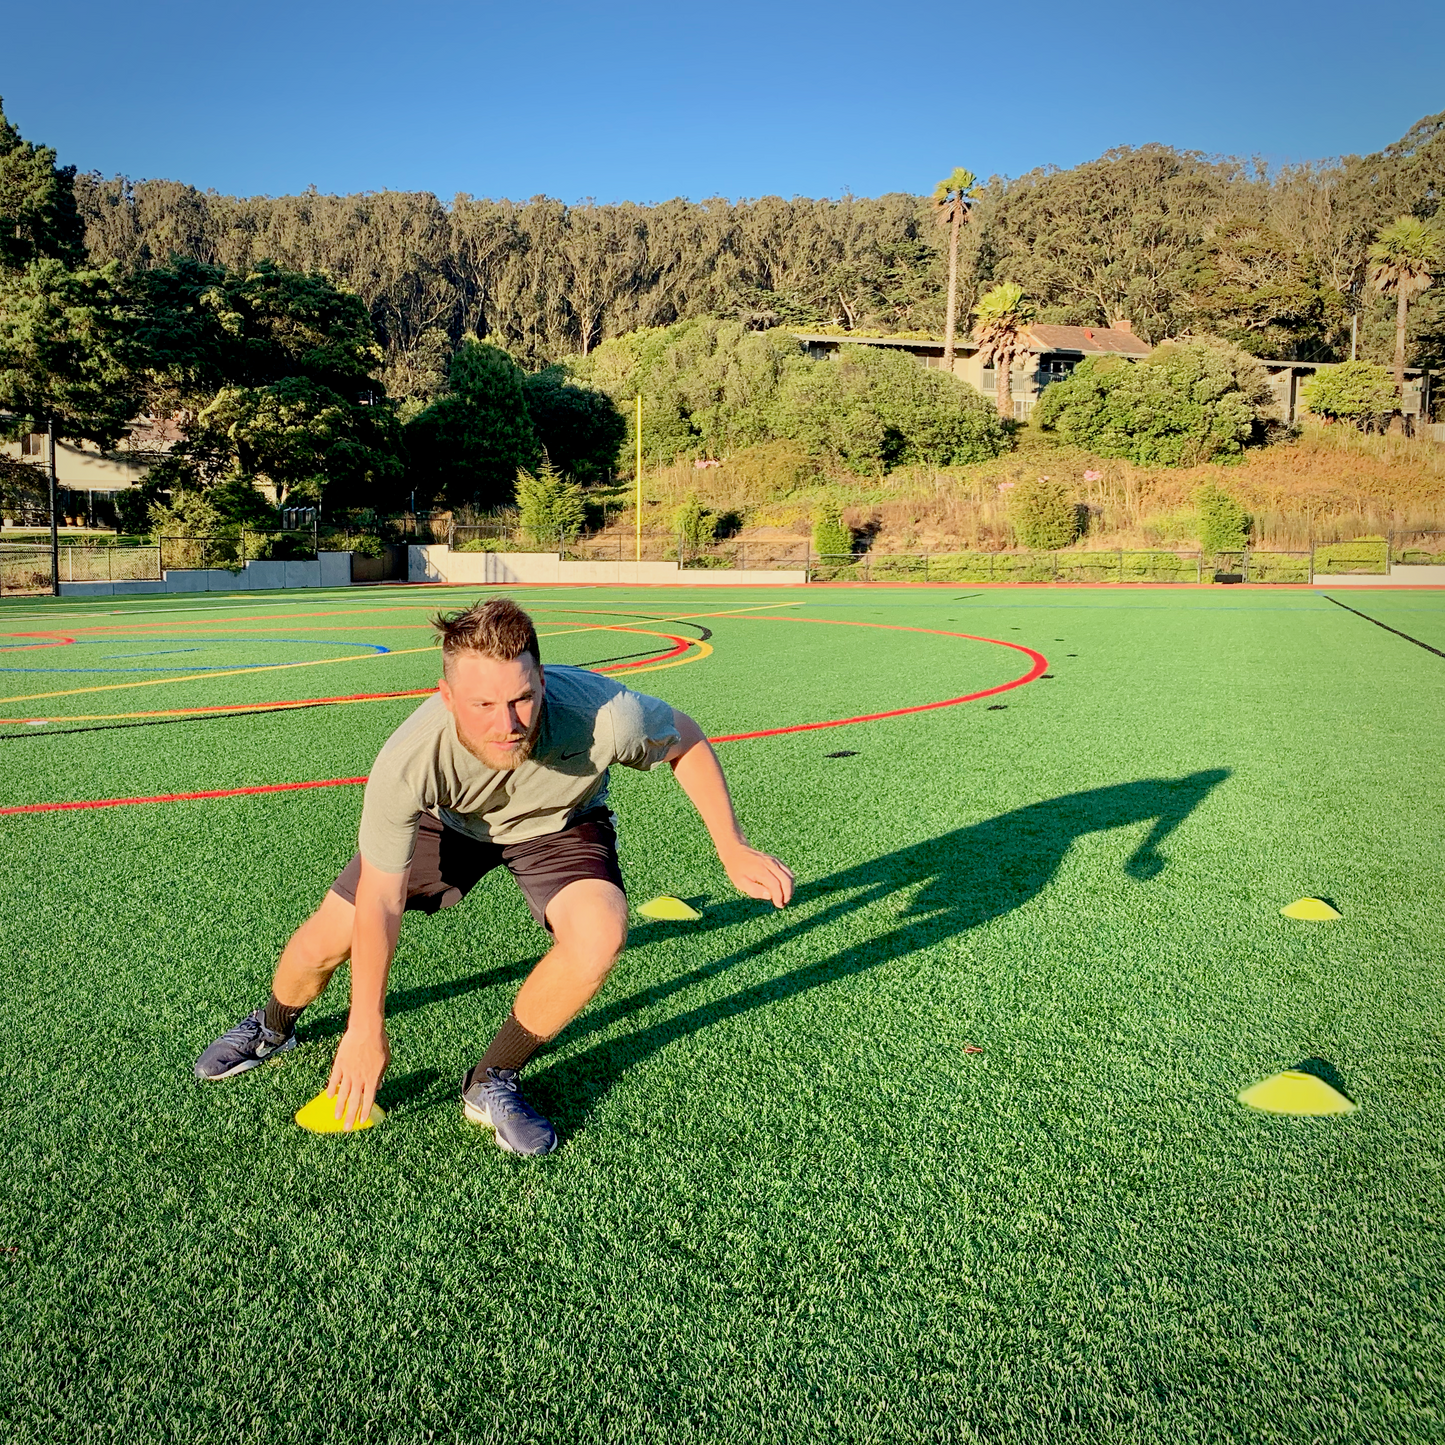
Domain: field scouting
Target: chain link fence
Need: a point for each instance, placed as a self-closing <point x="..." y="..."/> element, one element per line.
<point x="24" y="569"/>
<point x="1120" y="565"/>
<point x="1417" y="549"/>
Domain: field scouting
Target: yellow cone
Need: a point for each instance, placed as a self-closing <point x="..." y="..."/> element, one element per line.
<point x="1312" y="908"/>
<point x="667" y="906"/>
<point x="1295" y="1092"/>
<point x="319" y="1116"/>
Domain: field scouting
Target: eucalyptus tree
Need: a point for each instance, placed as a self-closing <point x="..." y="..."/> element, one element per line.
<point x="1405" y="259"/>
<point x="1003" y="313"/>
<point x="952" y="199"/>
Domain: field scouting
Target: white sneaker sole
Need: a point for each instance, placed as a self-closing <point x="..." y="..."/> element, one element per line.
<point x="482" y="1117"/>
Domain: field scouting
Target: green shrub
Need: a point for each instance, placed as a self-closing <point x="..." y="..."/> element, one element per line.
<point x="695" y="524"/>
<point x="1355" y="391"/>
<point x="551" y="507"/>
<point x="1223" y="523"/>
<point x="830" y="537"/>
<point x="368" y="545"/>
<point x="871" y="410"/>
<point x="1188" y="402"/>
<point x="486" y="544"/>
<point x="1043" y="514"/>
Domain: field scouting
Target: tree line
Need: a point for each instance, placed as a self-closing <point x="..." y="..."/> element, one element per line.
<point x="353" y="352"/>
<point x="1175" y="241"/>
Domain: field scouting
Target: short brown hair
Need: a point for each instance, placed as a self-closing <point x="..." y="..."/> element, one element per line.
<point x="495" y="628"/>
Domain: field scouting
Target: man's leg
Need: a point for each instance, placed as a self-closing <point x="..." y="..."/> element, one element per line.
<point x="312" y="955"/>
<point x="315" y="951"/>
<point x="588" y="919"/>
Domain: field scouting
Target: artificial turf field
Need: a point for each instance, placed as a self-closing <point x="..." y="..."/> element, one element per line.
<point x="791" y="1203"/>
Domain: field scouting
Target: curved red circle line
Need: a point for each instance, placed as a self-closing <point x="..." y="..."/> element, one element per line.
<point x="1040" y="663"/>
<point x="1040" y="666"/>
<point x="290" y="704"/>
<point x="58" y="639"/>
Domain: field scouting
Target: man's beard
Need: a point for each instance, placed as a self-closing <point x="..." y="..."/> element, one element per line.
<point x="490" y="755"/>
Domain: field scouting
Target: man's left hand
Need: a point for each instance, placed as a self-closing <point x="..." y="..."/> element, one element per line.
<point x="759" y="875"/>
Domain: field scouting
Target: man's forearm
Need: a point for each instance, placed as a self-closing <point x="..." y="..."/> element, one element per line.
<point x="700" y="776"/>
<point x="373" y="945"/>
<point x="380" y="899"/>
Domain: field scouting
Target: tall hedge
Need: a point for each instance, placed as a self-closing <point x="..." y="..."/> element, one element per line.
<point x="1223" y="523"/>
<point x="1043" y="514"/>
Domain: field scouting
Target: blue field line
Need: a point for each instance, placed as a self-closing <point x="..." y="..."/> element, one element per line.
<point x="159" y="652"/>
<point x="374" y="647"/>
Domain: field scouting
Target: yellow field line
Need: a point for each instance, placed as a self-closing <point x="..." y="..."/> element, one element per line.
<point x="203" y="676"/>
<point x="705" y="650"/>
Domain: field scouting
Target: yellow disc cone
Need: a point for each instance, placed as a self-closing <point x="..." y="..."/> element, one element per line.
<point x="1315" y="909"/>
<point x="1295" y="1092"/>
<point x="319" y="1116"/>
<point x="666" y="906"/>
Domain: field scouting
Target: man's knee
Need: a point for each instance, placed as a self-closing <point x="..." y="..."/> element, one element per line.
<point x="323" y="942"/>
<point x="589" y="921"/>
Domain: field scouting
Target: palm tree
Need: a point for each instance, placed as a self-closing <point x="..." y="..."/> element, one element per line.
<point x="952" y="199"/>
<point x="1404" y="259"/>
<point x="1003" y="315"/>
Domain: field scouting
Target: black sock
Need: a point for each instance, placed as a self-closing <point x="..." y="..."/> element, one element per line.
<point x="281" y="1017"/>
<point x="510" y="1049"/>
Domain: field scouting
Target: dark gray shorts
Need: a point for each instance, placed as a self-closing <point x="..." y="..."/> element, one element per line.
<point x="447" y="865"/>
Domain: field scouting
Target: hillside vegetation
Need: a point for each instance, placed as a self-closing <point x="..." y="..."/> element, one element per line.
<point x="1327" y="483"/>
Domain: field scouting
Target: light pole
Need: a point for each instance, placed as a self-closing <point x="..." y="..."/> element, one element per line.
<point x="54" y="525"/>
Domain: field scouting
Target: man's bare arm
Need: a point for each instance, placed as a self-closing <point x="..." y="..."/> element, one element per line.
<point x="363" y="1053"/>
<point x="700" y="776"/>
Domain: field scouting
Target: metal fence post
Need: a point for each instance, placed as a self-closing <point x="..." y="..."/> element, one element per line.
<point x="1244" y="566"/>
<point x="1199" y="567"/>
<point x="1121" y="564"/>
<point x="1312" y="564"/>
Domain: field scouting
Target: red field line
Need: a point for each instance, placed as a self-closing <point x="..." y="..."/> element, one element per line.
<point x="183" y="797"/>
<point x="1040" y="664"/>
<point x="56" y="640"/>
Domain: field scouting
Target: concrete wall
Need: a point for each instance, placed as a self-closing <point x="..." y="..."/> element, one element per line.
<point x="1399" y="577"/>
<point x="331" y="569"/>
<point x="439" y="563"/>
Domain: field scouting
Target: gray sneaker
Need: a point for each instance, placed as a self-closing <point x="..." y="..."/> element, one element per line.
<point x="247" y="1046"/>
<point x="494" y="1101"/>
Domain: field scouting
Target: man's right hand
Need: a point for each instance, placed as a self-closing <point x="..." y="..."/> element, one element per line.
<point x="361" y="1060"/>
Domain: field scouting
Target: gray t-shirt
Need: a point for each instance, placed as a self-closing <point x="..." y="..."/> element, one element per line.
<point x="589" y="722"/>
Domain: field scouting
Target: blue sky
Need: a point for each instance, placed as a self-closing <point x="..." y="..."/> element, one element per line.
<point x="645" y="100"/>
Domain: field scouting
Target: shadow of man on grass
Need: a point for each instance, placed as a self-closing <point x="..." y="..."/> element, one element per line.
<point x="953" y="883"/>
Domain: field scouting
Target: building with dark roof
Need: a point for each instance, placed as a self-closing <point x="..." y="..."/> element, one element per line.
<point x="1054" y="351"/>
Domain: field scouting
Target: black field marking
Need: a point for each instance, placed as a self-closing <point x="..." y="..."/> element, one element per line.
<point x="844" y="754"/>
<point x="1386" y="626"/>
<point x="1043" y="675"/>
<point x="997" y="707"/>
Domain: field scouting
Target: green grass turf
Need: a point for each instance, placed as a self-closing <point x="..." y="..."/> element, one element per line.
<point x="789" y="1205"/>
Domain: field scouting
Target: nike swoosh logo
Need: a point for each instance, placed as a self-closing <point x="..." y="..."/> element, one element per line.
<point x="581" y="753"/>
